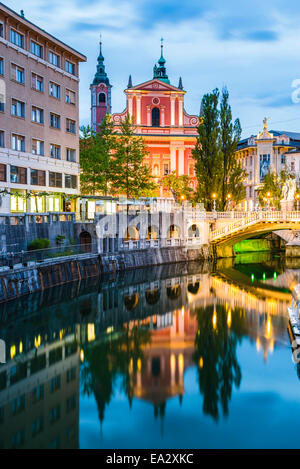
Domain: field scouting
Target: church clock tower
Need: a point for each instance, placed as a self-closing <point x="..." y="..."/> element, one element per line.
<point x="100" y="94"/>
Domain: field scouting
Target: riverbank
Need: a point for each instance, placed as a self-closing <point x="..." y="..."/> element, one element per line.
<point x="20" y="281"/>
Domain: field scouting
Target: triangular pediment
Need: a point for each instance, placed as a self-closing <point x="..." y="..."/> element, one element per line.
<point x="156" y="85"/>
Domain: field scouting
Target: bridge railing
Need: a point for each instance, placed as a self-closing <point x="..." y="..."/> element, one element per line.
<point x="255" y="217"/>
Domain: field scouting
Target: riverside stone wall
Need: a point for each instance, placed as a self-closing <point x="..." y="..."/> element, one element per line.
<point x="60" y="271"/>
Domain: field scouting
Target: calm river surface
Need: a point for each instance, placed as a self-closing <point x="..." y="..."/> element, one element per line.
<point x="179" y="356"/>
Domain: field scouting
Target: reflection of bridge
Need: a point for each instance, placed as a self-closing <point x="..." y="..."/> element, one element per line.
<point x="255" y="224"/>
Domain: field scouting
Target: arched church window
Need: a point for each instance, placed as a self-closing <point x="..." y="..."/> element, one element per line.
<point x="102" y="98"/>
<point x="155" y="117"/>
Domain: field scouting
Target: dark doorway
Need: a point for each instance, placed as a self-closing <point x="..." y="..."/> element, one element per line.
<point x="155" y="117"/>
<point x="85" y="241"/>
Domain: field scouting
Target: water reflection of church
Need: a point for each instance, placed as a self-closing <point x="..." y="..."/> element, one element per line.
<point x="147" y="327"/>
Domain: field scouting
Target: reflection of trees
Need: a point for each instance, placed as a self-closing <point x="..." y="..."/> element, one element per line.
<point x="219" y="332"/>
<point x="106" y="361"/>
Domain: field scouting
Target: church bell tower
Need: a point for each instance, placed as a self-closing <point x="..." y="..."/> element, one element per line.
<point x="100" y="94"/>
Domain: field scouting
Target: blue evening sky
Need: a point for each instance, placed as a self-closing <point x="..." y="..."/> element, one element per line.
<point x="251" y="46"/>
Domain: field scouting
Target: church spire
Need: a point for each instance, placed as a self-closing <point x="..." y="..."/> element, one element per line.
<point x="101" y="75"/>
<point x="180" y="86"/>
<point x="160" y="71"/>
<point x="129" y="82"/>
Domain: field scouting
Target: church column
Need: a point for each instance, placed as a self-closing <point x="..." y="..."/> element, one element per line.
<point x="181" y="162"/>
<point x="180" y="102"/>
<point x="149" y="116"/>
<point x="162" y="122"/>
<point x="173" y="159"/>
<point x="138" y="110"/>
<point x="172" y="110"/>
<point x="130" y="105"/>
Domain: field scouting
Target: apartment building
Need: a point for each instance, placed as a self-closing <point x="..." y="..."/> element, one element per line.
<point x="39" y="119"/>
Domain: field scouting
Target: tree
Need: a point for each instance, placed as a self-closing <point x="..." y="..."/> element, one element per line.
<point x="270" y="193"/>
<point x="233" y="174"/>
<point x="131" y="176"/>
<point x="178" y="185"/>
<point x="96" y="151"/>
<point x="216" y="167"/>
<point x="207" y="151"/>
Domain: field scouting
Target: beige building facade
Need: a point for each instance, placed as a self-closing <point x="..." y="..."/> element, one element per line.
<point x="39" y="118"/>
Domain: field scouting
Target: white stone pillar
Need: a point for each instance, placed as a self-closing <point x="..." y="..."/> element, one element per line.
<point x="138" y="110"/>
<point x="149" y="116"/>
<point x="130" y="106"/>
<point x="181" y="162"/>
<point x="180" y="112"/>
<point x="173" y="159"/>
<point x="162" y="120"/>
<point x="172" y="110"/>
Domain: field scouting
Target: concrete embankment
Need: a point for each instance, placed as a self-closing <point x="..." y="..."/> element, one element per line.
<point x="59" y="271"/>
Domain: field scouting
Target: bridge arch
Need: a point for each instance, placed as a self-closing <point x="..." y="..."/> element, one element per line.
<point x="131" y="233"/>
<point x="131" y="301"/>
<point x="173" y="232"/>
<point x="194" y="231"/>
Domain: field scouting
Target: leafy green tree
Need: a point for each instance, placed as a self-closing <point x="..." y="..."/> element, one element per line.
<point x="96" y="153"/>
<point x="270" y="193"/>
<point x="217" y="168"/>
<point x="207" y="152"/>
<point x="233" y="174"/>
<point x="179" y="186"/>
<point x="131" y="176"/>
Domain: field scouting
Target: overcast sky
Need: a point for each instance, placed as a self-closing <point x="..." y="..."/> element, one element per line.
<point x="252" y="47"/>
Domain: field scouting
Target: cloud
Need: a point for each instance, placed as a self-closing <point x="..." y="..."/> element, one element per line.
<point x="249" y="46"/>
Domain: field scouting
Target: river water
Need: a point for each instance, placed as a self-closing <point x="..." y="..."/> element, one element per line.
<point x="178" y="356"/>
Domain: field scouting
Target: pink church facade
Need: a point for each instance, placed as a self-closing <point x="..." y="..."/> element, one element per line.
<point x="157" y="110"/>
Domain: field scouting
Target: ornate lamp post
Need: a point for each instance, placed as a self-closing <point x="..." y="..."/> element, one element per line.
<point x="297" y="201"/>
<point x="214" y="196"/>
<point x="269" y="195"/>
<point x="229" y="201"/>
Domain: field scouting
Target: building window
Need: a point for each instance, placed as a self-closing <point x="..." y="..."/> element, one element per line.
<point x="37" y="147"/>
<point x="2" y="139"/>
<point x="70" y="126"/>
<point x="71" y="155"/>
<point x="55" y="384"/>
<point x="18" y="74"/>
<point x="1" y="66"/>
<point x="37" y="115"/>
<point x="37" y="394"/>
<point x="166" y="169"/>
<point x="18" y="142"/>
<point x="54" y="121"/>
<point x="18" y="175"/>
<point x="55" y="179"/>
<point x="155" y="117"/>
<point x="70" y="67"/>
<point x="71" y="403"/>
<point x="1" y="30"/>
<point x="17" y="202"/>
<point x="292" y="166"/>
<point x="2" y="103"/>
<point x="102" y="98"/>
<point x="250" y="175"/>
<point x="54" y="59"/>
<point x="70" y="181"/>
<point x="283" y="160"/>
<point x="17" y="38"/>
<point x="2" y="172"/>
<point x="70" y="97"/>
<point x="17" y="108"/>
<point x="54" y="90"/>
<point x="37" y="82"/>
<point x="37" y="426"/>
<point x="55" y="151"/>
<point x="36" y="49"/>
<point x="37" y="177"/>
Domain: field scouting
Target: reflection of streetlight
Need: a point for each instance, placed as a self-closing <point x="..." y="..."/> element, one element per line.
<point x="297" y="201"/>
<point x="229" y="201"/>
<point x="214" y="196"/>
